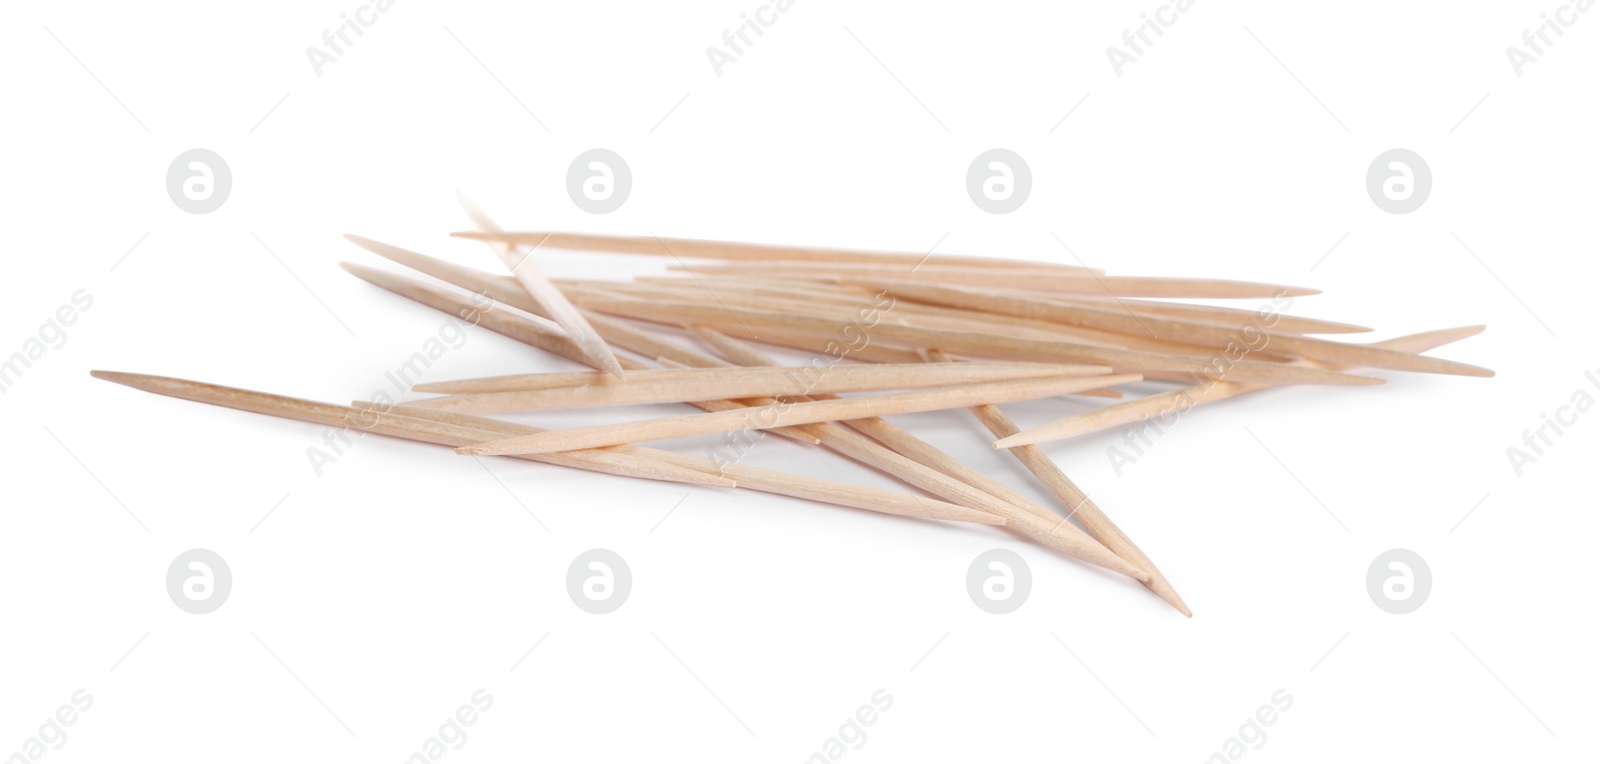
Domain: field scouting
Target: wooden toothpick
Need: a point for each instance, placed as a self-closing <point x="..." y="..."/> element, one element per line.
<point x="686" y="385"/>
<point x="917" y="462"/>
<point x="783" y="415"/>
<point x="752" y="478"/>
<point x="1184" y="399"/>
<point x="611" y="461"/>
<point x="1213" y="335"/>
<point x="1073" y="499"/>
<point x="1043" y="279"/>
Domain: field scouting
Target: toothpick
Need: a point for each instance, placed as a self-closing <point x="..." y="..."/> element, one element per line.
<point x="1236" y="317"/>
<point x="610" y="461"/>
<point x="752" y="478"/>
<point x="1044" y="280"/>
<point x="1182" y="400"/>
<point x="727" y="250"/>
<point x="1213" y="335"/>
<point x="783" y="415"/>
<point x="1077" y="503"/>
<point x="976" y="344"/>
<point x="684" y="385"/>
<point x="561" y="311"/>
<point x="919" y="463"/>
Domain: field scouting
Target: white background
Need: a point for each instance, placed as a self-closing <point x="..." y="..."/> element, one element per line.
<point x="371" y="601"/>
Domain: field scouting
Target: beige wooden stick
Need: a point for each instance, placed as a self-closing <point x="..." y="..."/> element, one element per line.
<point x="544" y="292"/>
<point x="962" y="319"/>
<point x="1037" y="280"/>
<point x="611" y="461"/>
<point x="1180" y="401"/>
<point x="685" y="385"/>
<point x="1073" y="499"/>
<point x="914" y="314"/>
<point x="502" y="322"/>
<point x="783" y="415"/>
<point x="1236" y="317"/>
<point x="1214" y="335"/>
<point x="919" y="463"/>
<point x="907" y="313"/>
<point x="980" y="344"/>
<point x="581" y="345"/>
<point x="482" y="220"/>
<point x="887" y="374"/>
<point x="505" y="290"/>
<point x="753" y="478"/>
<point x="481" y="313"/>
<point x="727" y="250"/>
<point x="561" y="311"/>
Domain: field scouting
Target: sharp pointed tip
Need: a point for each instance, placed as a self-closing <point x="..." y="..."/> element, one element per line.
<point x="118" y="377"/>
